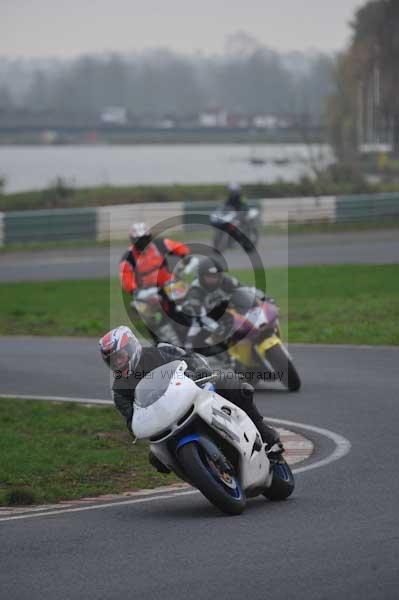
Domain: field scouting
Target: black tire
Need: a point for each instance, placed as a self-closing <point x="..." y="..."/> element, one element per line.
<point x="283" y="482"/>
<point x="220" y="240"/>
<point x="282" y="364"/>
<point x="251" y="240"/>
<point x="192" y="458"/>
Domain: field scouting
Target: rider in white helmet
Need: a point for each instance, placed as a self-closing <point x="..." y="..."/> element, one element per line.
<point x="130" y="362"/>
<point x="144" y="264"/>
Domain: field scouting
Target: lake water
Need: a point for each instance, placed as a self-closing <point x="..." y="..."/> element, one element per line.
<point x="35" y="167"/>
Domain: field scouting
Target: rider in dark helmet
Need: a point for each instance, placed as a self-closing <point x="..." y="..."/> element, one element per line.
<point x="212" y="285"/>
<point x="130" y="362"/>
<point x="209" y="295"/>
<point x="210" y="273"/>
<point x="234" y="199"/>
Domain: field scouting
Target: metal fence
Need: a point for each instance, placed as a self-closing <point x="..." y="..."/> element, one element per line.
<point x="112" y="222"/>
<point x="375" y="207"/>
<point x="49" y="225"/>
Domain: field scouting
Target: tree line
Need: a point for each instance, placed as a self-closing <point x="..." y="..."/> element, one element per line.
<point x="364" y="108"/>
<point x="248" y="78"/>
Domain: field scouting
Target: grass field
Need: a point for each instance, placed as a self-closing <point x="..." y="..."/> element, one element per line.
<point x="50" y="452"/>
<point x="346" y="304"/>
<point x="355" y="304"/>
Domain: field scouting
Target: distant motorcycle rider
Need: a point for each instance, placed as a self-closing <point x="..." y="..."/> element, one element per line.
<point x="144" y="264"/>
<point x="130" y="362"/>
<point x="235" y="200"/>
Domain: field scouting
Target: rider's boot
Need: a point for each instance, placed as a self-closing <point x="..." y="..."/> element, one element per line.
<point x="274" y="447"/>
<point x="269" y="435"/>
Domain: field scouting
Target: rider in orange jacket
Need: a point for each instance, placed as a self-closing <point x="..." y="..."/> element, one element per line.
<point x="144" y="264"/>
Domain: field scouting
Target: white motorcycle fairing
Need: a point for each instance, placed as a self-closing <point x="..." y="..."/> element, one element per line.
<point x="172" y="408"/>
<point x="164" y="413"/>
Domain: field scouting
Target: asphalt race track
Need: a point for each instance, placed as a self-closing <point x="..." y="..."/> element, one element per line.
<point x="337" y="537"/>
<point x="371" y="247"/>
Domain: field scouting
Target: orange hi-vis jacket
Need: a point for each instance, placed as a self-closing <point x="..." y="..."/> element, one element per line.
<point x="147" y="268"/>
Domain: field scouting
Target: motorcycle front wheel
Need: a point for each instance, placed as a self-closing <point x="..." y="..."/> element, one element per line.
<point x="284" y="367"/>
<point x="251" y="240"/>
<point x="283" y="483"/>
<point x="220" y="240"/>
<point x="222" y="489"/>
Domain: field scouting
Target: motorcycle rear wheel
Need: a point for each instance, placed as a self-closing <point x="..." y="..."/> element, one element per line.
<point x="221" y="489"/>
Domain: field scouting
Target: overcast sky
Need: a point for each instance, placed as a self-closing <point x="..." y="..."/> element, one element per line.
<point x="71" y="27"/>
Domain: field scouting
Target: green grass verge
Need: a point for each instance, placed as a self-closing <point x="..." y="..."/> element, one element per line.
<point x="72" y="308"/>
<point x="346" y="304"/>
<point x="51" y="452"/>
<point x="355" y="304"/>
<point x="61" y="195"/>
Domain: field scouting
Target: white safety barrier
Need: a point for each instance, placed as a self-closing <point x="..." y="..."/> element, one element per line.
<point x="298" y="210"/>
<point x="113" y="222"/>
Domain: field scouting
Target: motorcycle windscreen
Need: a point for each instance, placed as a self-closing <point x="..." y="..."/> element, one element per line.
<point x="154" y="385"/>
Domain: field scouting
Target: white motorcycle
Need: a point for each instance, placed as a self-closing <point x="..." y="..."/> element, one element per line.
<point x="206" y="440"/>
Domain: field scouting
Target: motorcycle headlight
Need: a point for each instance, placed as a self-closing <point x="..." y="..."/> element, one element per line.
<point x="141" y="307"/>
<point x="257" y="317"/>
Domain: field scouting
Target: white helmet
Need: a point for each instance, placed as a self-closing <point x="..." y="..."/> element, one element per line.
<point x="138" y="231"/>
<point x="234" y="188"/>
<point x="120" y="350"/>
